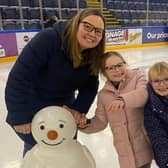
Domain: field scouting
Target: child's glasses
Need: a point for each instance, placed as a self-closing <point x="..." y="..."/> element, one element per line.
<point x="158" y="82"/>
<point x="114" y="67"/>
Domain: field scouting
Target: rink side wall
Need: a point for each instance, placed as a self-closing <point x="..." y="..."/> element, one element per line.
<point x="12" y="42"/>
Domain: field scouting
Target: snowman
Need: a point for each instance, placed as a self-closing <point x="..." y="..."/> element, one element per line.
<point x="53" y="128"/>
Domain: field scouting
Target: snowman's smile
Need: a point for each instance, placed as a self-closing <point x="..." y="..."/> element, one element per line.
<point x="53" y="144"/>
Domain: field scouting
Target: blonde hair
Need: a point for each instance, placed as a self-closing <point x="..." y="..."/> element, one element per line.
<point x="105" y="57"/>
<point x="158" y="69"/>
<point x="91" y="56"/>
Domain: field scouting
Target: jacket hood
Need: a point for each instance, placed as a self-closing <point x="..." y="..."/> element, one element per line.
<point x="158" y="102"/>
<point x="60" y="27"/>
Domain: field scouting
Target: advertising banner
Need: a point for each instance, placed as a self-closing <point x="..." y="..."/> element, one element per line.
<point x="22" y="38"/>
<point x="134" y="36"/>
<point x="115" y="37"/>
<point x="155" y="34"/>
<point x="8" y="45"/>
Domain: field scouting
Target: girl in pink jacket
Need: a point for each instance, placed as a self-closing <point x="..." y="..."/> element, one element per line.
<point x="121" y="104"/>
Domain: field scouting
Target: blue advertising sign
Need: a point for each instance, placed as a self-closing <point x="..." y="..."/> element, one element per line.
<point x="155" y="34"/>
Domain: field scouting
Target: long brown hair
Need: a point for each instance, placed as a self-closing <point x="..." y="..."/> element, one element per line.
<point x="91" y="56"/>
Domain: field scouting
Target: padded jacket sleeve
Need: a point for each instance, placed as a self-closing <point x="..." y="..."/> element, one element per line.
<point x="157" y="135"/>
<point x="32" y="58"/>
<point x="86" y="95"/>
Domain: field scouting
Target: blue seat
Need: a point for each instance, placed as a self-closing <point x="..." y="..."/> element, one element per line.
<point x="13" y="2"/>
<point x="155" y="1"/>
<point x="164" y="1"/>
<point x="140" y="6"/>
<point x="154" y="16"/>
<point x="118" y="5"/>
<point x="163" y="7"/>
<point x="26" y="3"/>
<point x="68" y="13"/>
<point x="133" y="15"/>
<point x="10" y="13"/>
<point x="68" y="4"/>
<point x="118" y="15"/>
<point x="141" y="15"/>
<point x="109" y="1"/>
<point x="126" y="15"/>
<point x="11" y="25"/>
<point x="154" y="23"/>
<point x="34" y="13"/>
<point x="131" y="5"/>
<point x="32" y="25"/>
<point x="34" y="3"/>
<point x="127" y="23"/>
<point x="143" y="22"/>
<point x="4" y="2"/>
<point x="82" y="4"/>
<point x="164" y="23"/>
<point x="50" y="3"/>
<point x="26" y="14"/>
<point x="47" y="13"/>
<point x="153" y="6"/>
<point x="135" y="22"/>
<point x="124" y="5"/>
<point x="110" y="4"/>
<point x="164" y="17"/>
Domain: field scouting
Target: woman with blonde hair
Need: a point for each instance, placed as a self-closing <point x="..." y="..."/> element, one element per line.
<point x="156" y="112"/>
<point x="52" y="66"/>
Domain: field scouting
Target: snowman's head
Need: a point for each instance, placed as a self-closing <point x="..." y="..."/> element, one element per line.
<point x="53" y="126"/>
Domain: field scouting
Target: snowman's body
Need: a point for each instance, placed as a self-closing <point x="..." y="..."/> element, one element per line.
<point x="54" y="148"/>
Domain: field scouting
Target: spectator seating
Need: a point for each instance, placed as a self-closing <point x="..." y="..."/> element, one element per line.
<point x="50" y="3"/>
<point x="32" y="25"/>
<point x="11" y="25"/>
<point x="70" y="4"/>
<point x="47" y="13"/>
<point x="134" y="12"/>
<point x="26" y="14"/>
<point x="82" y="4"/>
<point x="4" y="3"/>
<point x="34" y="13"/>
<point x="13" y="3"/>
<point x="26" y="3"/>
<point x="10" y="13"/>
<point x="68" y="13"/>
<point x="127" y="12"/>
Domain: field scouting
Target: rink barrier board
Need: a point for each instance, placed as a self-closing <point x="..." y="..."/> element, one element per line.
<point x="12" y="42"/>
<point x="8" y="59"/>
<point x="109" y="48"/>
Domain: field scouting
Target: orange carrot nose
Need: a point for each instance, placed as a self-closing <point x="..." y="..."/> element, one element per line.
<point x="52" y="135"/>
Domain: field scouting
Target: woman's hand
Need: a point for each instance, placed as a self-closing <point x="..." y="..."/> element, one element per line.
<point x="24" y="128"/>
<point x="116" y="105"/>
<point x="80" y="119"/>
<point x="83" y="122"/>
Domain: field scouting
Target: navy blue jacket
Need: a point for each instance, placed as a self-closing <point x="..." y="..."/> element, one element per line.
<point x="156" y="124"/>
<point x="44" y="75"/>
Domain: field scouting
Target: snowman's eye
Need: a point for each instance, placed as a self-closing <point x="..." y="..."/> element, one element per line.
<point x="42" y="127"/>
<point x="61" y="125"/>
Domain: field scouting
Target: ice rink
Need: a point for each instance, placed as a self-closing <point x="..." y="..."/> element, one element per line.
<point x="100" y="144"/>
